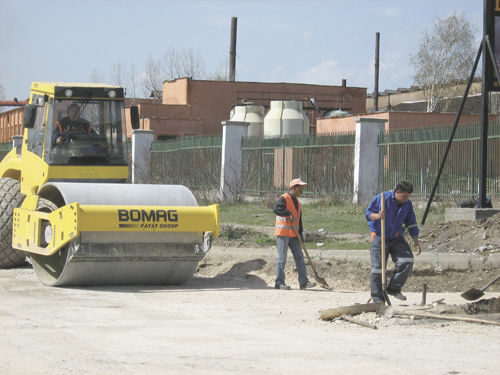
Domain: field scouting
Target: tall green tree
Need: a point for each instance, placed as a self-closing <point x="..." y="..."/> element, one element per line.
<point x="444" y="60"/>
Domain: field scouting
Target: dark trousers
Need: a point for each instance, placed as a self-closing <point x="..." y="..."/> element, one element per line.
<point x="402" y="257"/>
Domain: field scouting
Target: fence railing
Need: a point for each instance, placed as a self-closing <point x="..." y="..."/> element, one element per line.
<point x="194" y="162"/>
<point x="326" y="162"/>
<point x="416" y="155"/>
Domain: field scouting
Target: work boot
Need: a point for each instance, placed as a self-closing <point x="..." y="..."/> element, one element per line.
<point x="308" y="285"/>
<point x="282" y="287"/>
<point x="399" y="296"/>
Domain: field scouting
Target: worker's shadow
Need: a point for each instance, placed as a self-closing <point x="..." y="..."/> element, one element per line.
<point x="239" y="276"/>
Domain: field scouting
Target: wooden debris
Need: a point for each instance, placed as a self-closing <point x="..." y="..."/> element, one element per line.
<point x="330" y="314"/>
<point x="357" y="321"/>
<point x="424" y="295"/>
<point x="445" y="317"/>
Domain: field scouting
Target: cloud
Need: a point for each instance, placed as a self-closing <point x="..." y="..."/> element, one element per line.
<point x="389" y="12"/>
<point x="307" y="37"/>
<point x="394" y="71"/>
<point x="331" y="72"/>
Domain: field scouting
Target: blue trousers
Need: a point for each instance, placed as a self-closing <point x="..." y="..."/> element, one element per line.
<point x="283" y="243"/>
<point x="402" y="257"/>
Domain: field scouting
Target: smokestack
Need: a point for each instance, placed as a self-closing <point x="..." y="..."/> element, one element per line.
<point x="375" y="89"/>
<point x="344" y="82"/>
<point x="232" y="50"/>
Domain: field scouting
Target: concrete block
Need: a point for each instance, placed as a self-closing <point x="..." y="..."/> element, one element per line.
<point x="492" y="261"/>
<point x="469" y="214"/>
<point x="446" y="261"/>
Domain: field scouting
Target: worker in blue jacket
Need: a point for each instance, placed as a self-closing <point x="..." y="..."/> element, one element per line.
<point x="398" y="212"/>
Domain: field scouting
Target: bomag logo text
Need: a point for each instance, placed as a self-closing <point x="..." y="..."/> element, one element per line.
<point x="148" y="218"/>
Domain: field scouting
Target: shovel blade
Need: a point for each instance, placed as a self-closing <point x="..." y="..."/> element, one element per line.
<point x="321" y="281"/>
<point x="472" y="294"/>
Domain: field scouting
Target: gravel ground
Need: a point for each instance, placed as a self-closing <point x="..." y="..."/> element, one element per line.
<point x="226" y="323"/>
<point x="229" y="319"/>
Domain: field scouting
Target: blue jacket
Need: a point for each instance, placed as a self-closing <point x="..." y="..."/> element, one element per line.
<point x="395" y="217"/>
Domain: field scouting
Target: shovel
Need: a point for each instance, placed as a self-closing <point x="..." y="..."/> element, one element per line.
<point x="321" y="281"/>
<point x="473" y="294"/>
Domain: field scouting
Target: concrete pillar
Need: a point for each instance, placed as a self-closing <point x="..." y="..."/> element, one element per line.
<point x="230" y="173"/>
<point x="141" y="155"/>
<point x="366" y="159"/>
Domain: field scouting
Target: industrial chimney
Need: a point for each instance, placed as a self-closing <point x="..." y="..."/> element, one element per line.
<point x="232" y="50"/>
<point x="375" y="89"/>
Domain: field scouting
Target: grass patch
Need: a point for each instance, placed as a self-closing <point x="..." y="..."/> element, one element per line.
<point x="331" y="216"/>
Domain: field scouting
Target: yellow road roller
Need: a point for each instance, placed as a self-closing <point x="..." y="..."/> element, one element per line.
<point x="67" y="206"/>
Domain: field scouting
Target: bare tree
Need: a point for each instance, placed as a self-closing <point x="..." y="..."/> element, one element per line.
<point x="173" y="64"/>
<point x="125" y="77"/>
<point x="222" y="72"/>
<point x="97" y="75"/>
<point x="118" y="72"/>
<point x="444" y="59"/>
<point x="183" y="63"/>
<point x="153" y="80"/>
<point x="132" y="82"/>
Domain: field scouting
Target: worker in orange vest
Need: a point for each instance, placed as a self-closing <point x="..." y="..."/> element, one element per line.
<point x="288" y="215"/>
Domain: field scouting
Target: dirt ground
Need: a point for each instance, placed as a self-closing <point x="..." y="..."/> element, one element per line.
<point x="481" y="236"/>
<point x="229" y="319"/>
<point x="338" y="273"/>
<point x="474" y="237"/>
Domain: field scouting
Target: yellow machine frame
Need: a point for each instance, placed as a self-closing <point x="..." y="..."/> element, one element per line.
<point x="30" y="231"/>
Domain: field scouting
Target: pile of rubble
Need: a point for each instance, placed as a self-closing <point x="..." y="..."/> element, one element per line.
<point x="463" y="236"/>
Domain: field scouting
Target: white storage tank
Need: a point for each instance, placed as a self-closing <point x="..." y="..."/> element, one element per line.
<point x="285" y="118"/>
<point x="253" y="114"/>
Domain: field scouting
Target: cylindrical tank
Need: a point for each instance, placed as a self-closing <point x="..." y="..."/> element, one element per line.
<point x="285" y="118"/>
<point x="253" y="114"/>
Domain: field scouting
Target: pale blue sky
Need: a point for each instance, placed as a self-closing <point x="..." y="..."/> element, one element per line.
<point x="310" y="41"/>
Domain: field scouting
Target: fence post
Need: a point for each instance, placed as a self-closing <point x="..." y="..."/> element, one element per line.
<point x="367" y="159"/>
<point x="230" y="171"/>
<point x="141" y="155"/>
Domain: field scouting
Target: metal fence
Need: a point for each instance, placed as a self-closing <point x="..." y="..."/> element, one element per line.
<point x="194" y="162"/>
<point x="327" y="162"/>
<point x="416" y="155"/>
<point x="268" y="164"/>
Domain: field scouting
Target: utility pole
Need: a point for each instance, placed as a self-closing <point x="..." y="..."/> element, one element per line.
<point x="487" y="75"/>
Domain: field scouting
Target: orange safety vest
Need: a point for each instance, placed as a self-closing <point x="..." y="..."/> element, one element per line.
<point x="283" y="226"/>
<point x="61" y="130"/>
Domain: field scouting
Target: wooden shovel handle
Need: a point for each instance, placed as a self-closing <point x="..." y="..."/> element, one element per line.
<point x="303" y="245"/>
<point x="489" y="284"/>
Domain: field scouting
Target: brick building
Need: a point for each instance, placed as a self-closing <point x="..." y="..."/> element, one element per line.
<point x="197" y="107"/>
<point x="395" y="120"/>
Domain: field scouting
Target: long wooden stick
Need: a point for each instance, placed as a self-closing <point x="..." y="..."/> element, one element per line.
<point x="357" y="321"/>
<point x="382" y="251"/>
<point x="446" y="317"/>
